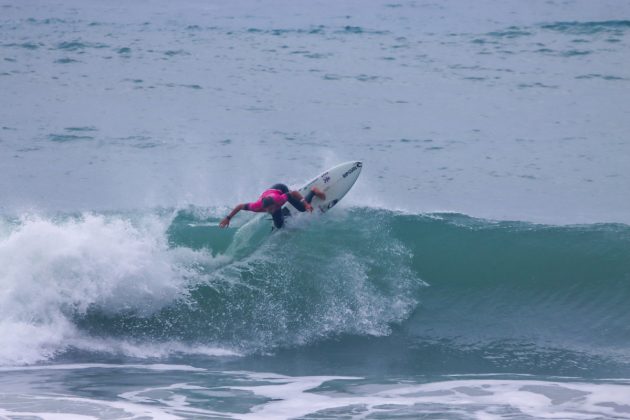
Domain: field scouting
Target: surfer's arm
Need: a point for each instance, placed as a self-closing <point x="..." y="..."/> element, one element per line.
<point x="226" y="221"/>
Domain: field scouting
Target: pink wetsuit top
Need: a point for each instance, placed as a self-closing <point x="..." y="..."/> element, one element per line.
<point x="277" y="196"/>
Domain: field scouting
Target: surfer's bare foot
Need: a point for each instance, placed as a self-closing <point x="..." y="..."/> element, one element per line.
<point x="319" y="193"/>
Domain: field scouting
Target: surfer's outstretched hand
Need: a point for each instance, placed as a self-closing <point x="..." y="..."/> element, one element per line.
<point x="224" y="223"/>
<point x="308" y="206"/>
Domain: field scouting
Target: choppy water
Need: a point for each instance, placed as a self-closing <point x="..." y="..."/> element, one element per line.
<point x="479" y="268"/>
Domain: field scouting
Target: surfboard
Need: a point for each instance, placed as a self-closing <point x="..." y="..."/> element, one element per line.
<point x="335" y="183"/>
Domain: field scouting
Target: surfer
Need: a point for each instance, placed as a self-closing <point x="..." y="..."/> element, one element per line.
<point x="272" y="200"/>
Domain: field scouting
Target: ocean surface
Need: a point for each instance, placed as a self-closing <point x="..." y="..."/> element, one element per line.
<point x="479" y="269"/>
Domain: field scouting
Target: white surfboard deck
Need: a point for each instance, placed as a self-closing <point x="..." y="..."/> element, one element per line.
<point x="335" y="183"/>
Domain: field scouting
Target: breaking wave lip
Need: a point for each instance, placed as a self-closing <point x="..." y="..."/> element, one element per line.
<point x="55" y="270"/>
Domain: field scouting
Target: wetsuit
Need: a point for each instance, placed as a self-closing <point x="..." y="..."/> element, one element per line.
<point x="280" y="194"/>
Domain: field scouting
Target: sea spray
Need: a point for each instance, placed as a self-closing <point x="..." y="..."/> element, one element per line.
<point x="303" y="284"/>
<point x="54" y="270"/>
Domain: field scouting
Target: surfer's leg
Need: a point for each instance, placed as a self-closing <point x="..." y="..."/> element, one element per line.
<point x="314" y="192"/>
<point x="319" y="193"/>
<point x="278" y="218"/>
<point x="308" y="198"/>
<point x="296" y="203"/>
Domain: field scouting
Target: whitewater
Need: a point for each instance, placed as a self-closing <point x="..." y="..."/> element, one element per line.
<point x="479" y="268"/>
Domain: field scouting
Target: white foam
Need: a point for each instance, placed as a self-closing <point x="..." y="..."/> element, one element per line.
<point x="480" y="398"/>
<point x="79" y="366"/>
<point x="144" y="350"/>
<point x="70" y="408"/>
<point x="52" y="270"/>
<point x="283" y="396"/>
<point x="173" y="402"/>
<point x="7" y="414"/>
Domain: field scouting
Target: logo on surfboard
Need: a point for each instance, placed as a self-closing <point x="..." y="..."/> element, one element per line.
<point x="354" y="168"/>
<point x="328" y="206"/>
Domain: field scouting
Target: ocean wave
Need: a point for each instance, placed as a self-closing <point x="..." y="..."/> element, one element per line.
<point x="588" y="28"/>
<point x="150" y="285"/>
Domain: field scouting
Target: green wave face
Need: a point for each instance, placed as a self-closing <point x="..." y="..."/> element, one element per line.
<point x="362" y="271"/>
